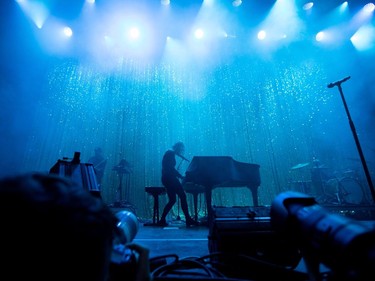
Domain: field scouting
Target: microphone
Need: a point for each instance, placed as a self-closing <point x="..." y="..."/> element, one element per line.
<point x="179" y="155"/>
<point x="331" y="85"/>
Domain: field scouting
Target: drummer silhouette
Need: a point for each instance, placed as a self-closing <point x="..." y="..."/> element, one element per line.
<point x="320" y="176"/>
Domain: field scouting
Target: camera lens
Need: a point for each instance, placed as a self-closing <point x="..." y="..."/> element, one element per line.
<point x="128" y="224"/>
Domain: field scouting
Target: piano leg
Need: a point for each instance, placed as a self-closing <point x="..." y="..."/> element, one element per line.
<point x="254" y="194"/>
<point x="195" y="195"/>
<point x="208" y="196"/>
<point x="195" y="198"/>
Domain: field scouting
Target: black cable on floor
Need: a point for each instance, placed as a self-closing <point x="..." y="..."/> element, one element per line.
<point x="240" y="265"/>
<point x="184" y="267"/>
<point x="223" y="266"/>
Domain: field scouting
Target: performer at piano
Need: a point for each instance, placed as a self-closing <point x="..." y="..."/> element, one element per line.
<point x="171" y="180"/>
<point x="99" y="163"/>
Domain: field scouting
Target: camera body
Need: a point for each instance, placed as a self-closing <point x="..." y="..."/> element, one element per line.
<point x="123" y="259"/>
<point x="123" y="263"/>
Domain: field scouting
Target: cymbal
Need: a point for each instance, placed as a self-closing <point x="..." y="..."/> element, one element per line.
<point x="298" y="166"/>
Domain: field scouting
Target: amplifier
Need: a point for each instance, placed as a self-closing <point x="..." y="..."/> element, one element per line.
<point x="241" y="212"/>
<point x="82" y="174"/>
<point x="246" y="232"/>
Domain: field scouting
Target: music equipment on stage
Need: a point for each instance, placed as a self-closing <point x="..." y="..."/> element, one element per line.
<point x="222" y="171"/>
<point x="320" y="175"/>
<point x="242" y="241"/>
<point x="302" y="186"/>
<point x="155" y="192"/>
<point x="124" y="168"/>
<point x="83" y="174"/>
<point x="346" y="190"/>
<point x="299" y="166"/>
<point x="355" y="135"/>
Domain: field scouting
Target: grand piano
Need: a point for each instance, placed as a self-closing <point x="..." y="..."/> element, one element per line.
<point x="205" y="173"/>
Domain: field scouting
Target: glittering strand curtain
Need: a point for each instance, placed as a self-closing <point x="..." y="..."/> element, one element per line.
<point x="275" y="113"/>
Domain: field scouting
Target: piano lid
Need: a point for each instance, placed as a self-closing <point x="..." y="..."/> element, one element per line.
<point x="213" y="171"/>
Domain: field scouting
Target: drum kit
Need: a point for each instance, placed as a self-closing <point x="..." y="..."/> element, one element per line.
<point x="330" y="187"/>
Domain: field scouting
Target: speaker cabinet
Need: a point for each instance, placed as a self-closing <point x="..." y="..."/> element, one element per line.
<point x="244" y="245"/>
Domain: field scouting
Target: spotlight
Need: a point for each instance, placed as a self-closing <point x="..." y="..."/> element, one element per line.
<point x="364" y="38"/>
<point x="165" y="2"/>
<point x="370" y="7"/>
<point x="237" y="3"/>
<point x="199" y="33"/>
<point x="308" y="6"/>
<point x="262" y="35"/>
<point x="320" y="36"/>
<point x="68" y="31"/>
<point x="134" y="33"/>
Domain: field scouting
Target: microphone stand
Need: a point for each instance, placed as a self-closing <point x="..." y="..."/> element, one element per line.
<point x="365" y="168"/>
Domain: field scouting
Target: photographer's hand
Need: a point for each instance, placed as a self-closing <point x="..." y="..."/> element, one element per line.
<point x="143" y="263"/>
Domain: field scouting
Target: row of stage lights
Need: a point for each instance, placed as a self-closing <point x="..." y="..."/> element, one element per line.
<point x="363" y="37"/>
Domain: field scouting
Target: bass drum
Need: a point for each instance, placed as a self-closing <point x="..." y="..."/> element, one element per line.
<point x="350" y="191"/>
<point x="331" y="191"/>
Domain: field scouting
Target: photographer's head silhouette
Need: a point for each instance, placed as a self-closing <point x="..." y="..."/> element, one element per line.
<point x="53" y="229"/>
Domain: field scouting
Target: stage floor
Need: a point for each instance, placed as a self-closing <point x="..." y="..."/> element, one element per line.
<point x="176" y="239"/>
<point x="193" y="243"/>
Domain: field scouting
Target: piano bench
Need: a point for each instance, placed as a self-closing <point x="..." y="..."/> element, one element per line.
<point x="155" y="192"/>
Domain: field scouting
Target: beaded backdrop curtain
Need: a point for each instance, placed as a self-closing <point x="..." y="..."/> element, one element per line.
<point x="273" y="112"/>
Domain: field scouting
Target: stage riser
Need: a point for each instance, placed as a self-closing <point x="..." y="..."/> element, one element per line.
<point x="357" y="212"/>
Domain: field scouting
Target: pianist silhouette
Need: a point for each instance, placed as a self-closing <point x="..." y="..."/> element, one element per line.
<point x="171" y="180"/>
